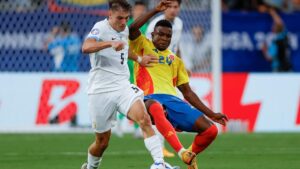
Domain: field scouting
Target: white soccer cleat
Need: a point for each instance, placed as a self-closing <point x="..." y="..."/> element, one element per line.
<point x="84" y="166"/>
<point x="160" y="165"/>
<point x="164" y="165"/>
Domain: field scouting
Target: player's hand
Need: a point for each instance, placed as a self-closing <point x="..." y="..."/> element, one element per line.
<point x="264" y="47"/>
<point x="117" y="45"/>
<point x="163" y="5"/>
<point x="219" y="118"/>
<point x="148" y="60"/>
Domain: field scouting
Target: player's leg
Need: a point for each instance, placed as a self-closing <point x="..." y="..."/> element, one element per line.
<point x="97" y="148"/>
<point x="131" y="102"/>
<point x="102" y="109"/>
<point x="137" y="113"/>
<point x="166" y="152"/>
<point x="158" y="116"/>
<point x="137" y="131"/>
<point x="162" y="124"/>
<point x="189" y="119"/>
<point x="207" y="132"/>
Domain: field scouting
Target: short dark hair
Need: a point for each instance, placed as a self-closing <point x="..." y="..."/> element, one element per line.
<point x="115" y="5"/>
<point x="65" y="26"/>
<point x="179" y="1"/>
<point x="164" y="23"/>
<point x="139" y="3"/>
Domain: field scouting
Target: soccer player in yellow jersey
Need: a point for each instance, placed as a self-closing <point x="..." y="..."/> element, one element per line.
<point x="159" y="83"/>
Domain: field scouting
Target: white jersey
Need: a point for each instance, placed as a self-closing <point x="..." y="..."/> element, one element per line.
<point x="109" y="70"/>
<point x="177" y="27"/>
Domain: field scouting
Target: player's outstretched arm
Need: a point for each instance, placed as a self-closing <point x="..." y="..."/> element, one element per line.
<point x="134" y="31"/>
<point x="146" y="60"/>
<point x="91" y="45"/>
<point x="195" y="101"/>
<point x="276" y="18"/>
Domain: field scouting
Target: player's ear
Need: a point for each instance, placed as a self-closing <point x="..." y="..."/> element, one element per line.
<point x="152" y="35"/>
<point x="109" y="13"/>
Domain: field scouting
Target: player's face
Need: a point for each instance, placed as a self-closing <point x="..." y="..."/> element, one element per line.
<point x="118" y="19"/>
<point x="172" y="11"/>
<point x="161" y="37"/>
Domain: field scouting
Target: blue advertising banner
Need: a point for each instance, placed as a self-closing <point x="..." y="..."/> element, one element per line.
<point x="244" y="35"/>
<point x="23" y="36"/>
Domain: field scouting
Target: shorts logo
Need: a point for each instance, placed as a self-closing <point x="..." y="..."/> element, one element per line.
<point x="56" y="104"/>
<point x="95" y="31"/>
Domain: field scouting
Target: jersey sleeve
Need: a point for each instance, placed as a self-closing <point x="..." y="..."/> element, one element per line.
<point x="182" y="76"/>
<point x="138" y="44"/>
<point x="95" y="33"/>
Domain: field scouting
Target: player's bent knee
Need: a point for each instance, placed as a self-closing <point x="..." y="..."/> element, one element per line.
<point x="149" y="103"/>
<point x="212" y="132"/>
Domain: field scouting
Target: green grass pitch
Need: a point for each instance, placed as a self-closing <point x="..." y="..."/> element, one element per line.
<point x="229" y="151"/>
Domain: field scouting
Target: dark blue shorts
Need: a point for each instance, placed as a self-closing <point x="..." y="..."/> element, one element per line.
<point x="181" y="115"/>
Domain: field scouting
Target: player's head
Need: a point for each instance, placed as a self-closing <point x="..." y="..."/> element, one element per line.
<point x="65" y="27"/>
<point x="139" y="9"/>
<point x="119" y="11"/>
<point x="198" y="32"/>
<point x="173" y="10"/>
<point x="162" y="34"/>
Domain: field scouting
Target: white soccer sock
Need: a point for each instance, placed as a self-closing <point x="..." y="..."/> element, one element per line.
<point x="180" y="152"/>
<point x="160" y="136"/>
<point x="93" y="161"/>
<point x="153" y="145"/>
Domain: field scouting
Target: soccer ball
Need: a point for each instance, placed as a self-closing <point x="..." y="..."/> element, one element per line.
<point x="168" y="166"/>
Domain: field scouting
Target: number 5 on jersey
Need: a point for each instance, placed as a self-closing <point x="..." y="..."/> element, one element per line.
<point x="135" y="89"/>
<point x="122" y="58"/>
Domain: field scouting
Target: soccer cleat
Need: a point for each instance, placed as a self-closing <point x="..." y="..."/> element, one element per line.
<point x="84" y="166"/>
<point x="169" y="166"/>
<point x="167" y="153"/>
<point x="193" y="164"/>
<point x="160" y="165"/>
<point x="194" y="161"/>
<point x="187" y="157"/>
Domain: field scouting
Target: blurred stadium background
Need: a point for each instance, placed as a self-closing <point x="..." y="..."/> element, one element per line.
<point x="43" y="91"/>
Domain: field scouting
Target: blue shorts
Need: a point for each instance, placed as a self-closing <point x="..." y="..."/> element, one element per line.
<point x="181" y="115"/>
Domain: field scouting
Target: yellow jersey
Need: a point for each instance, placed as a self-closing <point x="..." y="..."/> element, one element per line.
<point x="164" y="76"/>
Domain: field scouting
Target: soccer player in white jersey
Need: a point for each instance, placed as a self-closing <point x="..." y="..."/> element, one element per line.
<point x="109" y="89"/>
<point x="170" y="14"/>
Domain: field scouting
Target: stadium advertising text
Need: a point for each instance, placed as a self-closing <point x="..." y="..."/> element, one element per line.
<point x="248" y="100"/>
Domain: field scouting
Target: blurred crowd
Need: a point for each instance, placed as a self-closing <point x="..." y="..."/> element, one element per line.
<point x="227" y="5"/>
<point x="261" y="5"/>
<point x="63" y="44"/>
<point x="20" y="5"/>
